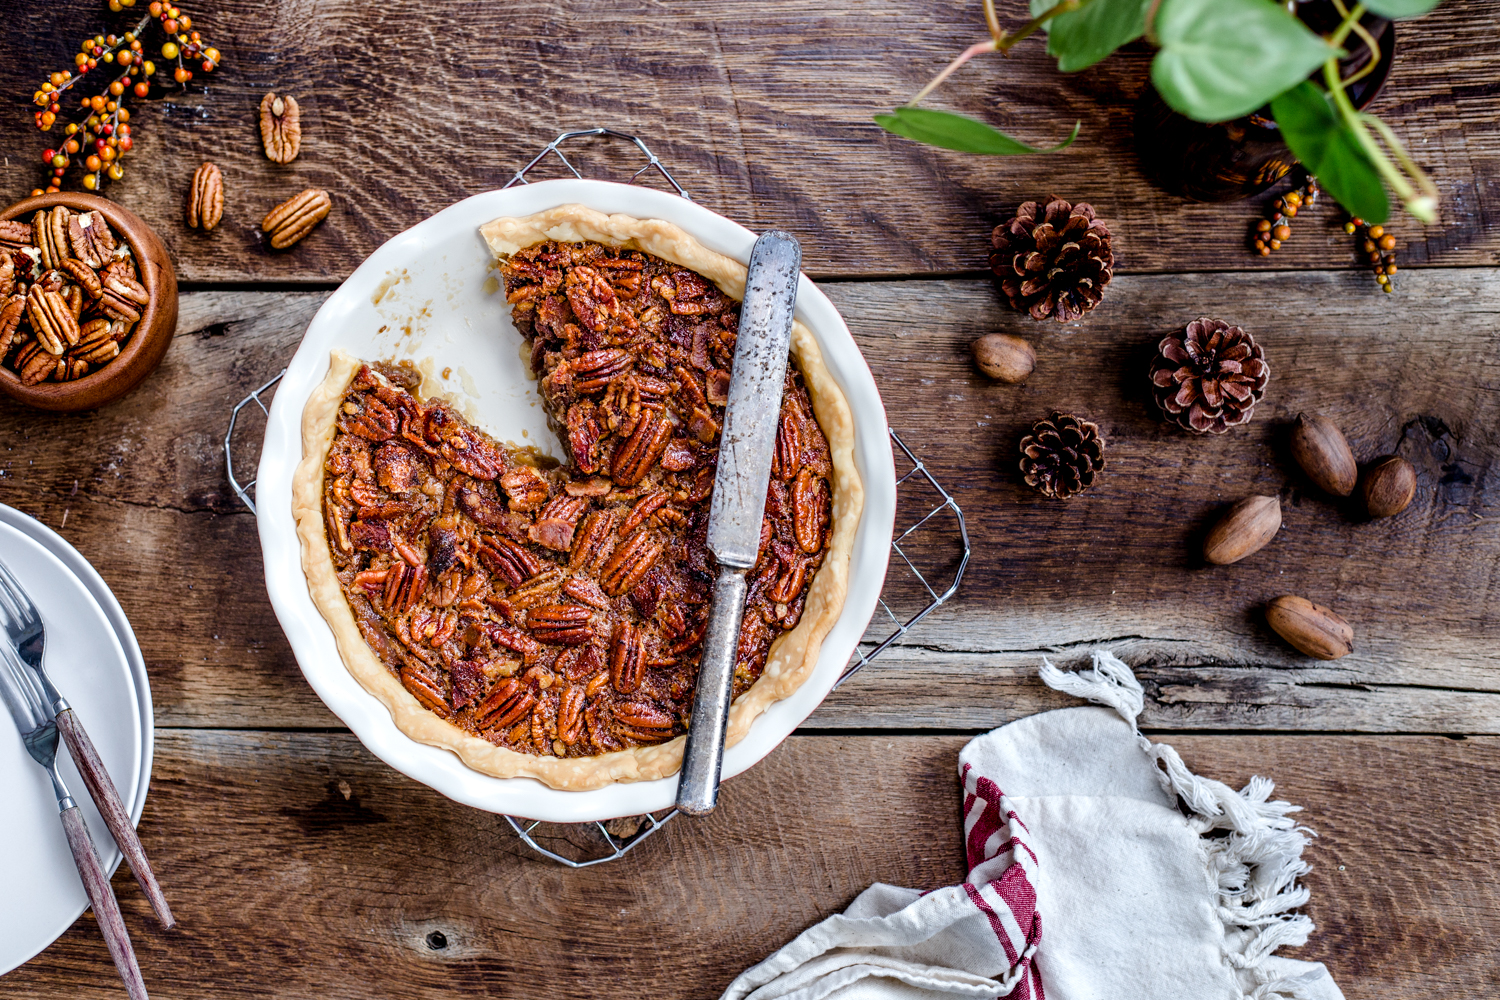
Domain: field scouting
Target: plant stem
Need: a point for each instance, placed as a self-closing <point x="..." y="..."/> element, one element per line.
<point x="993" y="20"/>
<point x="1424" y="208"/>
<point x="1000" y="40"/>
<point x="1429" y="189"/>
<point x="990" y="45"/>
<point x="1422" y="205"/>
<point x="1359" y="29"/>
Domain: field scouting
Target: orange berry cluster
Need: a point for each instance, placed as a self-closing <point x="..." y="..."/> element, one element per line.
<point x="1379" y="248"/>
<point x="1271" y="233"/>
<point x="101" y="135"/>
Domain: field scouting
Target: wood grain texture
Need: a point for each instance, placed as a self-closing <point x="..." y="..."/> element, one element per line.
<point x="763" y="112"/>
<point x="139" y="487"/>
<point x="302" y="866"/>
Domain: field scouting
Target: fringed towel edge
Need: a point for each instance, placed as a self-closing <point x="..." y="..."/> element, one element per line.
<point x="1254" y="867"/>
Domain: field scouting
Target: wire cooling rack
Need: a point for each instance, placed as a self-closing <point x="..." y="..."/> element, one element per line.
<point x="935" y="537"/>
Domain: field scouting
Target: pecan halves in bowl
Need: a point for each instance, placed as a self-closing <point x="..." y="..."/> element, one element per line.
<point x="90" y="236"/>
<point x="295" y="218"/>
<point x="205" y="204"/>
<point x="56" y="328"/>
<point x="49" y="230"/>
<point x="280" y="127"/>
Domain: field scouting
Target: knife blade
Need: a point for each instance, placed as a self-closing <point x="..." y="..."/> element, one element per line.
<point x="746" y="444"/>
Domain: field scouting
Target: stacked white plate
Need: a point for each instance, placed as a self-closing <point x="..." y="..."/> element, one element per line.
<point x="93" y="658"/>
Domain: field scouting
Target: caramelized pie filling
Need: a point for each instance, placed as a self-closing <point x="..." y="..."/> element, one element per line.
<point x="560" y="610"/>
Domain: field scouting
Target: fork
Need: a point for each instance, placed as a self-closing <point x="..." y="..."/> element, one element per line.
<point x="27" y="634"/>
<point x="23" y="697"/>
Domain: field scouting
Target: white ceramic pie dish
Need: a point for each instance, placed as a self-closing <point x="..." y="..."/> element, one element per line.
<point x="431" y="295"/>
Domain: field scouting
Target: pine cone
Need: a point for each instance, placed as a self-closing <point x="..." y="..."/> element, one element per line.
<point x="1053" y="259"/>
<point x="1061" y="455"/>
<point x="1209" y="377"/>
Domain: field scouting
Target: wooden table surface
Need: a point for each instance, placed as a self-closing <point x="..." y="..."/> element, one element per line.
<point x="301" y="866"/>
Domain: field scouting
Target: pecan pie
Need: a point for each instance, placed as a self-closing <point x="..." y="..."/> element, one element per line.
<point x="546" y="619"/>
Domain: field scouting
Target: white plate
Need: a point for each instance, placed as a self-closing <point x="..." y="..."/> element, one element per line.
<point x="92" y="656"/>
<point x="429" y="294"/>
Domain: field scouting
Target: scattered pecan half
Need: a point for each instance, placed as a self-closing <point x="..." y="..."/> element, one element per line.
<point x="295" y="218"/>
<point x="205" y="204"/>
<point x="280" y="128"/>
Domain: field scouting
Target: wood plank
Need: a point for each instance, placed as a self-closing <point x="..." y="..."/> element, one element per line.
<point x="764" y="114"/>
<point x="139" y="487"/>
<point x="299" y="864"/>
<point x="1119" y="566"/>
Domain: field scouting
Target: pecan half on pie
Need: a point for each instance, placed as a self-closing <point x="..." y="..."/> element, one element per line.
<point x="556" y="611"/>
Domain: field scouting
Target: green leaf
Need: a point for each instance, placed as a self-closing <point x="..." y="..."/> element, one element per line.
<point x="1221" y="59"/>
<point x="950" y="131"/>
<point x="1083" y="37"/>
<point x="1401" y="8"/>
<point x="1328" y="147"/>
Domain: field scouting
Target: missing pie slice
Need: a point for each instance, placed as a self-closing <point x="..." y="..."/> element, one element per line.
<point x="545" y="619"/>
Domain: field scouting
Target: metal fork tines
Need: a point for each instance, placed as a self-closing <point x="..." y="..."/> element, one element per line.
<point x="23" y="698"/>
<point x="27" y="635"/>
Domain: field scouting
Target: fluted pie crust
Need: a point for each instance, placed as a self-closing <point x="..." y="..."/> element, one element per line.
<point x="792" y="656"/>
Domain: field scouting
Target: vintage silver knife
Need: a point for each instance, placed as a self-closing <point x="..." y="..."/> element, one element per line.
<point x="746" y="445"/>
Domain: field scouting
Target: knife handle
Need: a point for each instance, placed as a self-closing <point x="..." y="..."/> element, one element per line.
<point x="102" y="788"/>
<point x="703" y="757"/>
<point x="102" y="898"/>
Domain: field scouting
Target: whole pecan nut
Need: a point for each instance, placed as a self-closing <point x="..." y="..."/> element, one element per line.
<point x="280" y="128"/>
<point x="205" y="205"/>
<point x="91" y="238"/>
<point x="295" y="218"/>
<point x="7" y="274"/>
<point x="71" y="368"/>
<point x="53" y="321"/>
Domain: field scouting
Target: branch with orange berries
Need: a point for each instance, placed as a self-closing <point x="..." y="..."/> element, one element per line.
<point x="101" y="134"/>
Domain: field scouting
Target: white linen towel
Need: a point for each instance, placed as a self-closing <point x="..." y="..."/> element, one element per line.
<point x="1152" y="883"/>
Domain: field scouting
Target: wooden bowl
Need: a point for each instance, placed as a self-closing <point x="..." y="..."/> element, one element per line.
<point x="151" y="336"/>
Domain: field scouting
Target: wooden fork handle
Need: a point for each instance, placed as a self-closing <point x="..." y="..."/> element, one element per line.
<point x="106" y="909"/>
<point x="102" y="788"/>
